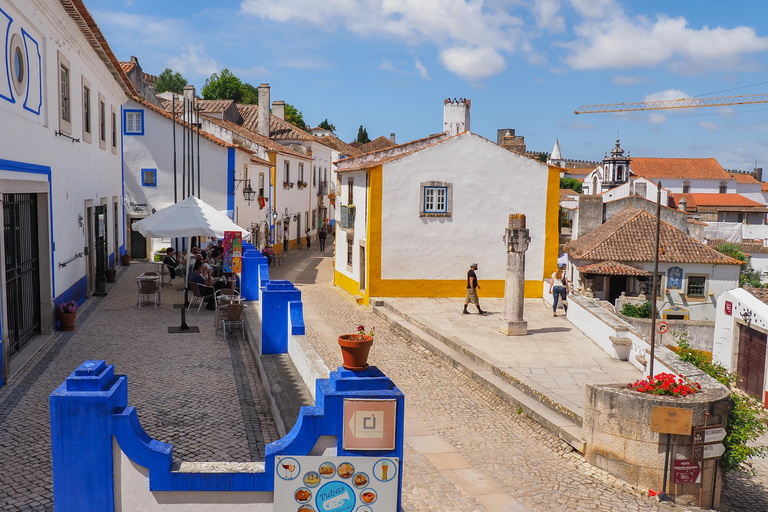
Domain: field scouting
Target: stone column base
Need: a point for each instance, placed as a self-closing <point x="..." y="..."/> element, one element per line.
<point x="518" y="328"/>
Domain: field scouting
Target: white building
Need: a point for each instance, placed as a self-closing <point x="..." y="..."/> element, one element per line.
<point x="60" y="164"/>
<point x="741" y="329"/>
<point x="413" y="217"/>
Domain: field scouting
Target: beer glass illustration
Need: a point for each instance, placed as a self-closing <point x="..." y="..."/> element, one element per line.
<point x="384" y="469"/>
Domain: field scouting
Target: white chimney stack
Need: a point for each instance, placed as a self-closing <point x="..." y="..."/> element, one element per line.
<point x="278" y="109"/>
<point x="263" y="123"/>
<point x="456" y="115"/>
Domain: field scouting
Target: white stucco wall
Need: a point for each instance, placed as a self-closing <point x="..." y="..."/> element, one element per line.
<point x="360" y="200"/>
<point x="725" y="348"/>
<point x="80" y="171"/>
<point x="489" y="183"/>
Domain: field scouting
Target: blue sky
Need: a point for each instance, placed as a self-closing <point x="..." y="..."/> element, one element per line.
<point x="525" y="64"/>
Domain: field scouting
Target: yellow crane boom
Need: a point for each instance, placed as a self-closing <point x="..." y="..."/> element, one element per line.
<point x="670" y="104"/>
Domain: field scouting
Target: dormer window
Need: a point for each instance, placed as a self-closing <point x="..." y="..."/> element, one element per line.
<point x="686" y="187"/>
<point x="723" y="187"/>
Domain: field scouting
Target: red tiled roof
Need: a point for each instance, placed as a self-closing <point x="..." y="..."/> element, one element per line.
<point x="377" y="145"/>
<point x="679" y="168"/>
<point x="747" y="247"/>
<point x="764" y="188"/>
<point x="743" y="178"/>
<point x="339" y="145"/>
<point x="269" y="144"/>
<point x="612" y="268"/>
<point x="127" y="66"/>
<point x="164" y="113"/>
<point x="629" y="237"/>
<point x="206" y="106"/>
<point x="278" y="128"/>
<point x="760" y="293"/>
<point x="353" y="164"/>
<point x="696" y="201"/>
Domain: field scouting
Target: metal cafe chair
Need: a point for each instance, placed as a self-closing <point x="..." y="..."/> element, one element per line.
<point x="148" y="286"/>
<point x="232" y="315"/>
<point x="223" y="298"/>
<point x="199" y="293"/>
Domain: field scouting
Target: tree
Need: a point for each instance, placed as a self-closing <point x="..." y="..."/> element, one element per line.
<point x="571" y="183"/>
<point x="295" y="117"/>
<point x="170" y="81"/>
<point x="362" y="136"/>
<point x="326" y="125"/>
<point x="250" y="94"/>
<point x="747" y="275"/>
<point x="223" y="87"/>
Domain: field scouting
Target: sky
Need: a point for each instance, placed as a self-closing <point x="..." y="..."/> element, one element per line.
<point x="525" y="64"/>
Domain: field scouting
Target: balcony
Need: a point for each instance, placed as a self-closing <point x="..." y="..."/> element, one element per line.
<point x="348" y="217"/>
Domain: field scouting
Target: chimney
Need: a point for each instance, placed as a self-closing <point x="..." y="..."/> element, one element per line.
<point x="278" y="109"/>
<point x="189" y="92"/>
<point x="263" y="123"/>
<point x="682" y="205"/>
<point x="758" y="173"/>
<point x="590" y="213"/>
<point x="502" y="132"/>
<point x="641" y="189"/>
<point x="456" y="115"/>
<point x="392" y="138"/>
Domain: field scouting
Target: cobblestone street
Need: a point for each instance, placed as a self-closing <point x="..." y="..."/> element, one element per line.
<point x="465" y="450"/>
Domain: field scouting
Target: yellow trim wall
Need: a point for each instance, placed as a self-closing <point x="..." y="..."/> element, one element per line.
<point x="552" y="236"/>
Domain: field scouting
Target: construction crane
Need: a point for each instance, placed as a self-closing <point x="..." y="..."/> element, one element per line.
<point x="671" y="104"/>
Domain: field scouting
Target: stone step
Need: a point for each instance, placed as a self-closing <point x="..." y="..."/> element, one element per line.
<point x="532" y="402"/>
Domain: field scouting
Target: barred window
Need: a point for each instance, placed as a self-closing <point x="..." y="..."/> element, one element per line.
<point x="696" y="286"/>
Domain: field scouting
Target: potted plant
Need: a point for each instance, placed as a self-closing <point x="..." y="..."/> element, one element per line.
<point x="355" y="348"/>
<point x="111" y="275"/>
<point x="67" y="313"/>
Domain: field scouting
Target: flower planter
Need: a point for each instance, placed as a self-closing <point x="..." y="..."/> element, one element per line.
<point x="125" y="259"/>
<point x="354" y="351"/>
<point x="67" y="321"/>
<point x="111" y="275"/>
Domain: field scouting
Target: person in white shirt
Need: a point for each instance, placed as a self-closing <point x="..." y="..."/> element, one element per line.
<point x="558" y="288"/>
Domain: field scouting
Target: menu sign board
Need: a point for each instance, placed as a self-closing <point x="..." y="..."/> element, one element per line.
<point x="233" y="251"/>
<point x="336" y="484"/>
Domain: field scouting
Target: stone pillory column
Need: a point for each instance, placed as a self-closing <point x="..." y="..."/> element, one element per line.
<point x="514" y="288"/>
<point x="81" y="437"/>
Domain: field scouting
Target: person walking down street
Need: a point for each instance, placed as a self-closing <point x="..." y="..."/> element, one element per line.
<point x="558" y="288"/>
<point x="321" y="237"/>
<point x="472" y="288"/>
<point x="285" y="239"/>
<point x="309" y="240"/>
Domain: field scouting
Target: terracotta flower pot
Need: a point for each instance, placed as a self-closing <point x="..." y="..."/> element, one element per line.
<point x="67" y="321"/>
<point x="111" y="275"/>
<point x="354" y="351"/>
<point x="125" y="259"/>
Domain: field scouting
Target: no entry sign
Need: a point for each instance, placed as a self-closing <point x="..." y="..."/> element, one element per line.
<point x="662" y="327"/>
<point x="685" y="472"/>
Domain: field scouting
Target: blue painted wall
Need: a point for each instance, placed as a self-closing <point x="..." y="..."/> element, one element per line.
<point x="275" y="296"/>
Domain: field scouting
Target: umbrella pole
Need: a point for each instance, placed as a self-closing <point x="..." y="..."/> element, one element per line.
<point x="184" y="326"/>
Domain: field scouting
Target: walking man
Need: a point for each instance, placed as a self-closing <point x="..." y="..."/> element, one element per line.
<point x="321" y="237"/>
<point x="472" y="288"/>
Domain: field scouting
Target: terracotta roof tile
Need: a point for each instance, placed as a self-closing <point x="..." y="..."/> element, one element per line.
<point x="612" y="268"/>
<point x="178" y="120"/>
<point x="127" y="66"/>
<point x="278" y="128"/>
<point x="695" y="202"/>
<point x="206" y="106"/>
<point x="760" y="293"/>
<point x="377" y="145"/>
<point x="339" y="145"/>
<point x="371" y="160"/>
<point x="269" y="144"/>
<point x="747" y="247"/>
<point x="678" y="168"/>
<point x="629" y="237"/>
<point x="743" y="178"/>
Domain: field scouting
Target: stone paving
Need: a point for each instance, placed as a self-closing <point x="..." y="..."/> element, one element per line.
<point x="196" y="391"/>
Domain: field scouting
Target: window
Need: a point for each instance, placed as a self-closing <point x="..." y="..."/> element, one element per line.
<point x="306" y="219"/>
<point x="739" y="217"/>
<point x="286" y="173"/>
<point x="696" y="286"/>
<point x="65" y="107"/>
<point x="19" y="65"/>
<point x="350" y="189"/>
<point x="723" y="187"/>
<point x="86" y="111"/>
<point x="350" y="246"/>
<point x="436" y="199"/>
<point x="648" y="286"/>
<point x="134" y="122"/>
<point x="686" y="187"/>
<point x="149" y="177"/>
<point x="102" y="122"/>
<point x="113" y="118"/>
<point x="261" y="184"/>
<point x="314" y="177"/>
<point x="301" y="172"/>
<point x="314" y="219"/>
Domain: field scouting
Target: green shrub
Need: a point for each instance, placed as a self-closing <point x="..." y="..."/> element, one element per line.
<point x="746" y="422"/>
<point x="644" y="311"/>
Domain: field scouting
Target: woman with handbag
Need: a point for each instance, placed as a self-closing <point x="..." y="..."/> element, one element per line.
<point x="558" y="288"/>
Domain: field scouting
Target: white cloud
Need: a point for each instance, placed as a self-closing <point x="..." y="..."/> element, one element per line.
<point x="421" y="69"/>
<point x="596" y="8"/>
<point x="150" y="31"/>
<point x="708" y="125"/>
<point x="474" y="64"/>
<point x="622" y="80"/>
<point x="620" y="41"/>
<point x="194" y="61"/>
<point x="667" y="95"/>
<point x="466" y="25"/>
<point x="546" y="14"/>
<point x="657" y="118"/>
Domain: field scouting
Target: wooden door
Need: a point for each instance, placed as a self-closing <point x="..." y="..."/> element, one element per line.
<point x="751" y="366"/>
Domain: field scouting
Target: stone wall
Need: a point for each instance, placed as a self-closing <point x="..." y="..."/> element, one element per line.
<point x="701" y="333"/>
<point x="619" y="438"/>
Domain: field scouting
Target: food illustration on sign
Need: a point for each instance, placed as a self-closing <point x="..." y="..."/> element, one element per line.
<point x="368" y="496"/>
<point x="346" y="470"/>
<point x="306" y="508"/>
<point x="360" y="480"/>
<point x="327" y="470"/>
<point x="311" y="479"/>
<point x="303" y="495"/>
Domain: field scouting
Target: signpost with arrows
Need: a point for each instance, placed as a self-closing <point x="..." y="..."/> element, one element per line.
<point x="707" y="444"/>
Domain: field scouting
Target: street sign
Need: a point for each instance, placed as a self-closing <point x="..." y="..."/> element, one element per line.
<point x="708" y="451"/>
<point x="710" y="434"/>
<point x="662" y="327"/>
<point x="685" y="472"/>
<point x="671" y="420"/>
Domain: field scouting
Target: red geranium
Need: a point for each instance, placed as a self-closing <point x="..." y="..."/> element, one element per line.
<point x="665" y="384"/>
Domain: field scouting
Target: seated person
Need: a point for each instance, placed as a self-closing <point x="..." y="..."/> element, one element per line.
<point x="197" y="277"/>
<point x="269" y="253"/>
<point x="207" y="270"/>
<point x="172" y="263"/>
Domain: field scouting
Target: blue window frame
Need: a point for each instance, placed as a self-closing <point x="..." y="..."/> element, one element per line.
<point x="133" y="122"/>
<point x="435" y="199"/>
<point x="149" y="177"/>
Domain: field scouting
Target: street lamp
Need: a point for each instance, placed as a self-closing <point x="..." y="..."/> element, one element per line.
<point x="248" y="192"/>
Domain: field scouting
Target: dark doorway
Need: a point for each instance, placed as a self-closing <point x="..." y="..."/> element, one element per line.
<point x="22" y="276"/>
<point x="616" y="285"/>
<point x="138" y="243"/>
<point x="751" y="367"/>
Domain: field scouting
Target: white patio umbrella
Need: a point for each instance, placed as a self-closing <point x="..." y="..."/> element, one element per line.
<point x="189" y="217"/>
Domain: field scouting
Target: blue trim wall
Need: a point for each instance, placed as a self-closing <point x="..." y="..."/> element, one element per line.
<point x="25" y="35"/>
<point x="7" y="64"/>
<point x="231" y="183"/>
<point x="123" y="116"/>
<point x="122" y="178"/>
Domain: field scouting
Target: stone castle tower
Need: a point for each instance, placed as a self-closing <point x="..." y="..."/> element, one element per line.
<point x="456" y="115"/>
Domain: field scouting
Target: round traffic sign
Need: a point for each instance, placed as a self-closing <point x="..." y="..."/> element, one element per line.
<point x="662" y="327"/>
